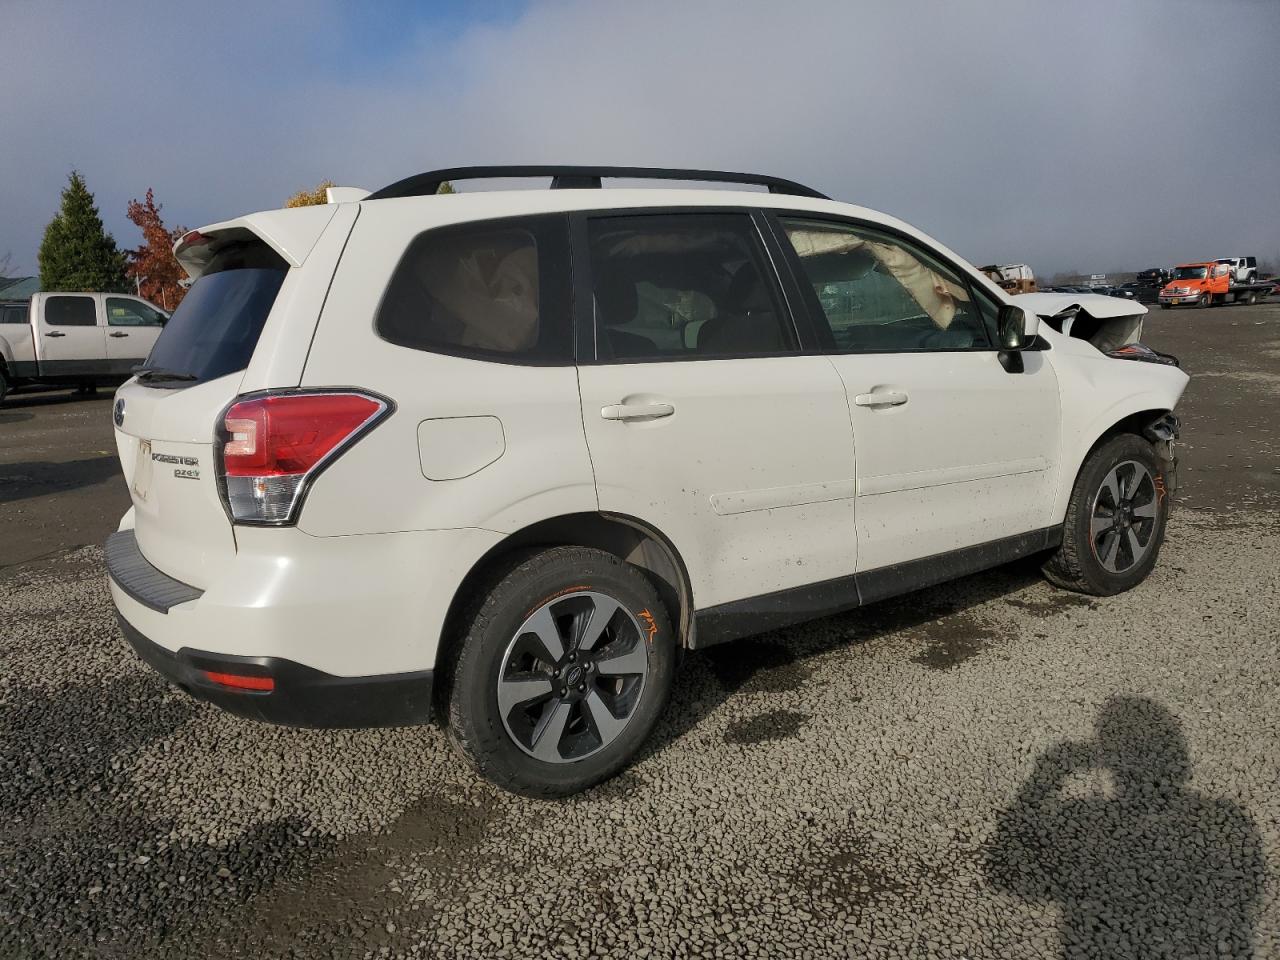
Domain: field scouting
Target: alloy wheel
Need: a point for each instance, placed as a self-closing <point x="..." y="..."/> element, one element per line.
<point x="1122" y="525"/>
<point x="572" y="677"/>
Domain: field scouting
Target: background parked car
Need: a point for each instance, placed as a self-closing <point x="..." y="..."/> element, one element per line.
<point x="75" y="339"/>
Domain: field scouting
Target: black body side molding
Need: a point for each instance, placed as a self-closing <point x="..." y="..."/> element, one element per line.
<point x="741" y="618"/>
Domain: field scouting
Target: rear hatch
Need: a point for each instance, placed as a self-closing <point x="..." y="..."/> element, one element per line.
<point x="165" y="417"/>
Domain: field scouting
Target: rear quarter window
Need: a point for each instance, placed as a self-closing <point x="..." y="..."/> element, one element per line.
<point x="496" y="290"/>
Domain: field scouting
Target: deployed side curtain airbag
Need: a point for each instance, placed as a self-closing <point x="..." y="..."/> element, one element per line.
<point x="935" y="295"/>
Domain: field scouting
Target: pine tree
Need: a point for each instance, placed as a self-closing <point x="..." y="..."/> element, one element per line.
<point x="77" y="253"/>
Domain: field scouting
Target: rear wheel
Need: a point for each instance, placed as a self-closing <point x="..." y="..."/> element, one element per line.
<point x="1115" y="520"/>
<point x="563" y="672"/>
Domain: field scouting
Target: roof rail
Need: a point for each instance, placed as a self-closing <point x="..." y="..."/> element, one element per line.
<point x="572" y="178"/>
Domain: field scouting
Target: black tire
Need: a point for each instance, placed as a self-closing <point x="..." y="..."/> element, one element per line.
<point x="1206" y="300"/>
<point x="1166" y="306"/>
<point x="1251" y="298"/>
<point x="86" y="389"/>
<point x="1076" y="565"/>
<point x="551" y="578"/>
<point x="4" y="385"/>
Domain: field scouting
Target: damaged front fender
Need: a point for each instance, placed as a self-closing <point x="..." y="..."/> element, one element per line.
<point x="1162" y="432"/>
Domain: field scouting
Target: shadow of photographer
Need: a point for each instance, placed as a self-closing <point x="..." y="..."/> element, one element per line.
<point x="1141" y="866"/>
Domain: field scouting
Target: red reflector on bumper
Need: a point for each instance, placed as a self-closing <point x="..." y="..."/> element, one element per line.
<point x="240" y="682"/>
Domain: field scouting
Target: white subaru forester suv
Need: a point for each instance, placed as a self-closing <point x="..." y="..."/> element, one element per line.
<point x="495" y="458"/>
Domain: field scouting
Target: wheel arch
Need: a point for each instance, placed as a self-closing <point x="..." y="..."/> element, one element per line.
<point x="1142" y="412"/>
<point x="628" y="538"/>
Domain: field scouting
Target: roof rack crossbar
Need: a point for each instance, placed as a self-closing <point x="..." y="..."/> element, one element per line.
<point x="562" y="178"/>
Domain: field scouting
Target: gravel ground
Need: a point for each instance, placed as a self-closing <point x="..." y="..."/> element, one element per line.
<point x="991" y="768"/>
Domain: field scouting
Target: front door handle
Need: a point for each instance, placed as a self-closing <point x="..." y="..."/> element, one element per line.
<point x="55" y="333"/>
<point x="881" y="398"/>
<point x="118" y="333"/>
<point x="636" y="411"/>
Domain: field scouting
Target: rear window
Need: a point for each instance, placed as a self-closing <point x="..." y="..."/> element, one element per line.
<point x="214" y="330"/>
<point x="70" y="312"/>
<point x="493" y="290"/>
<point x="13" y="313"/>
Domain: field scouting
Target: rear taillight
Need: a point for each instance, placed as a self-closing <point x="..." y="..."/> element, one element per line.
<point x="273" y="445"/>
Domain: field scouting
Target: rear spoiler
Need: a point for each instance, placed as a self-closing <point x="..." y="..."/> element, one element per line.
<point x="291" y="233"/>
<point x="344" y="194"/>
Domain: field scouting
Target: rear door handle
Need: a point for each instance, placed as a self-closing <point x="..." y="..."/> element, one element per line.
<point x="636" y="411"/>
<point x="55" y="333"/>
<point x="118" y="333"/>
<point x="881" y="398"/>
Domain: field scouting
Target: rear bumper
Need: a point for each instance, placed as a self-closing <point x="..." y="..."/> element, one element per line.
<point x="301" y="696"/>
<point x="347" y="628"/>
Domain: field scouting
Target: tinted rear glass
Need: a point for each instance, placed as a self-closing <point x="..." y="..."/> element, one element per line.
<point x="70" y="312"/>
<point x="493" y="290"/>
<point x="13" y="314"/>
<point x="215" y="328"/>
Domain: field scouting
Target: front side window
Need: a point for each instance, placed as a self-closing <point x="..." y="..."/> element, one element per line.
<point x="483" y="290"/>
<point x="683" y="287"/>
<point x="70" y="312"/>
<point x="879" y="295"/>
<point x="122" y="312"/>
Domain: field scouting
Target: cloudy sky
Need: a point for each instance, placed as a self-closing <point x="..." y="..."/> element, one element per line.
<point x="1083" y="135"/>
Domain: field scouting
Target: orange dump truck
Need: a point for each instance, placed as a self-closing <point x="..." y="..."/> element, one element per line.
<point x="1208" y="284"/>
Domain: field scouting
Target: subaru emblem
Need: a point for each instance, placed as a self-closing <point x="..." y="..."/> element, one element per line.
<point x="118" y="413"/>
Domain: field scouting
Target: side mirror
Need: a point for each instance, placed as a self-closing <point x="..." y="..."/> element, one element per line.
<point x="1016" y="328"/>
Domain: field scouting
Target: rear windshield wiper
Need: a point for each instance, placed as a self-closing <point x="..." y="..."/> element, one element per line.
<point x="146" y="374"/>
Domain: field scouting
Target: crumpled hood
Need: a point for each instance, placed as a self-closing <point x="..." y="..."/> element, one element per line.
<point x="1106" y="322"/>
<point x="1095" y="304"/>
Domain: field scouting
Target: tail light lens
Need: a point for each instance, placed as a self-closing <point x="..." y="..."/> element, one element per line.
<point x="274" y="445"/>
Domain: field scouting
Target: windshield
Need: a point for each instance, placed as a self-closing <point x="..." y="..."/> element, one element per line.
<point x="1189" y="273"/>
<point x="215" y="328"/>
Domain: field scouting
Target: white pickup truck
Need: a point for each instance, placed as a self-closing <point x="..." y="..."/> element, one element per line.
<point x="75" y="339"/>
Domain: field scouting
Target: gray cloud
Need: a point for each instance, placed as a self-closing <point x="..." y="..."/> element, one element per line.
<point x="1092" y="134"/>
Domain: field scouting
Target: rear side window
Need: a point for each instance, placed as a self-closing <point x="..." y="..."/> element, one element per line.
<point x="16" y="313"/>
<point x="216" y="327"/>
<point x="493" y="290"/>
<point x="123" y="312"/>
<point x="683" y="287"/>
<point x="70" y="312"/>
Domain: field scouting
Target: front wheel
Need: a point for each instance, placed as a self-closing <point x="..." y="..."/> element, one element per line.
<point x="563" y="671"/>
<point x="1206" y="300"/>
<point x="1115" y="520"/>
